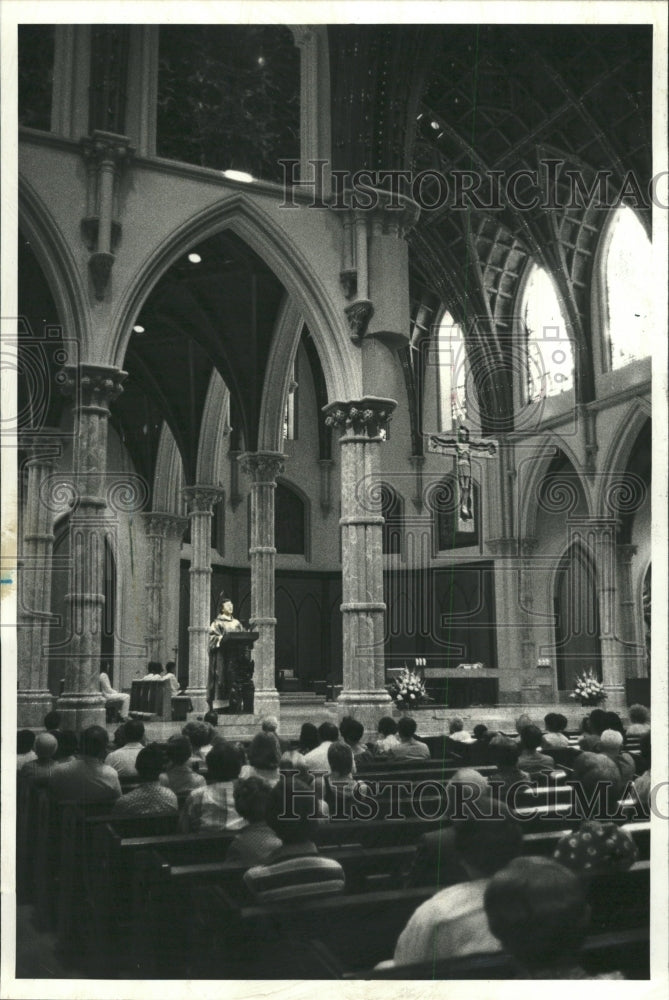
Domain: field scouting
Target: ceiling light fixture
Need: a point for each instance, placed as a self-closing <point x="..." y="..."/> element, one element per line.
<point x="194" y="258"/>
<point x="238" y="175"/>
<point x="138" y="329"/>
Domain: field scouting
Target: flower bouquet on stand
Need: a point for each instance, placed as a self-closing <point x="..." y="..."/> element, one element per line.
<point x="408" y="690"/>
<point x="588" y="689"/>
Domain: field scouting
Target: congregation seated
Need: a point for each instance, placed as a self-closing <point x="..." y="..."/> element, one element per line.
<point x="68" y="746"/>
<point x="212" y="807"/>
<point x="453" y="922"/>
<point x="538" y="911"/>
<point x="386" y="735"/>
<point x="639" y="721"/>
<point x="352" y="732"/>
<point x="150" y="798"/>
<point x="257" y="841"/>
<point x="200" y="736"/>
<point x="263" y="756"/>
<point x="341" y="788"/>
<point x="555" y="736"/>
<point x="611" y="744"/>
<point x="295" y="869"/>
<point x="86" y="778"/>
<point x="504" y="753"/>
<point x="408" y="748"/>
<point x="179" y="776"/>
<point x="531" y="759"/>
<point x="36" y="772"/>
<point x="124" y="758"/>
<point x="457" y="731"/>
<point x="317" y="759"/>
<point x="25" y="741"/>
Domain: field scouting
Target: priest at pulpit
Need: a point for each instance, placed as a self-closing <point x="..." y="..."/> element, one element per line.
<point x="224" y="623"/>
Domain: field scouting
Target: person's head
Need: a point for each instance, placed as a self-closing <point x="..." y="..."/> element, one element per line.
<point x="94" y="742"/>
<point x="387" y="726"/>
<point x="289" y="812"/>
<point x="406" y="728"/>
<point x="480" y="732"/>
<point x="639" y="715"/>
<point x="611" y="742"/>
<point x="340" y="759"/>
<point x="68" y="744"/>
<point x="170" y="667"/>
<point x="555" y="722"/>
<point x="328" y="732"/>
<point x="251" y="796"/>
<point x="210" y="718"/>
<point x="351" y="730"/>
<point x="530" y="737"/>
<point x="613" y="721"/>
<point x="270" y="724"/>
<point x="264" y="752"/>
<point x="597" y="722"/>
<point x="178" y="749"/>
<point x="153" y="667"/>
<point x="486" y="843"/>
<point x="52" y="721"/>
<point x="504" y="753"/>
<point x="46" y="745"/>
<point x="224" y="761"/>
<point x="464" y="792"/>
<point x="309" y="738"/>
<point x="120" y="739"/>
<point x="149" y="762"/>
<point x="600" y="780"/>
<point x="25" y="740"/>
<point x="537" y="909"/>
<point x="134" y="731"/>
<point x="198" y="733"/>
<point x="456" y="725"/>
<point x="227" y="607"/>
<point x="596" y="849"/>
<point x="522" y="721"/>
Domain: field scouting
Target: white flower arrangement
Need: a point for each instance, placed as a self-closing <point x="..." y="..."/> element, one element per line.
<point x="408" y="690"/>
<point x="588" y="689"/>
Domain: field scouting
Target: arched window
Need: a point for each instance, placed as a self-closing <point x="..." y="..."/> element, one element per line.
<point x="628" y="284"/>
<point x="451" y="374"/>
<point x="290" y="522"/>
<point x="549" y="353"/>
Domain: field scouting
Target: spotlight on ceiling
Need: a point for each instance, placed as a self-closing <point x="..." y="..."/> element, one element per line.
<point x="238" y="175"/>
<point x="137" y="328"/>
<point x="194" y="258"/>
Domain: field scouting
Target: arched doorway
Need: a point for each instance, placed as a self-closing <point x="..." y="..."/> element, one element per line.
<point x="576" y="611"/>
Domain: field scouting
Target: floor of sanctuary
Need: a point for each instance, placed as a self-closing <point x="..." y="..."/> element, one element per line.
<point x="432" y="721"/>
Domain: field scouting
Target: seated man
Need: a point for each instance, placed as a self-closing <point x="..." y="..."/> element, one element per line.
<point x="150" y="798"/>
<point x="169" y="675"/>
<point x="256" y="842"/>
<point x="454" y="922"/>
<point x="555" y="736"/>
<point x="179" y="776"/>
<point x="123" y="759"/>
<point x="340" y="787"/>
<point x="120" y="701"/>
<point x="86" y="778"/>
<point x="457" y="731"/>
<point x="317" y="759"/>
<point x="212" y="807"/>
<point x="531" y="759"/>
<point x="408" y="748"/>
<point x="296" y="868"/>
<point x="387" y="735"/>
<point x="36" y="772"/>
<point x="504" y="754"/>
<point x="352" y="732"/>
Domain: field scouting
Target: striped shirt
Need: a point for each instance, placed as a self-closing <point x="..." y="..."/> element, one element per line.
<point x="295" y="871"/>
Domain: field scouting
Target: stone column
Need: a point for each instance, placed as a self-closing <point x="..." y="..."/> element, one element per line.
<point x="94" y="388"/>
<point x="160" y="527"/>
<point x="361" y="425"/>
<point x="599" y="535"/>
<point x="200" y="500"/>
<point x="629" y="614"/>
<point x="34" y="697"/>
<point x="263" y="467"/>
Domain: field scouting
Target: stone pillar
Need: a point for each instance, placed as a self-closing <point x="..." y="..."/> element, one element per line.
<point x="629" y="614"/>
<point x="200" y="500"/>
<point x="361" y="424"/>
<point x="515" y="684"/>
<point x="94" y="388"/>
<point x="160" y="527"/>
<point x="34" y="697"/>
<point x="263" y="467"/>
<point x="599" y="535"/>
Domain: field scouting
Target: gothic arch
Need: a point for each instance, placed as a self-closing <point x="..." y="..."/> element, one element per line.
<point x="630" y="425"/>
<point x="169" y="475"/>
<point x="57" y="262"/>
<point x="285" y="342"/>
<point x="250" y="223"/>
<point x="527" y="490"/>
<point x="214" y="431"/>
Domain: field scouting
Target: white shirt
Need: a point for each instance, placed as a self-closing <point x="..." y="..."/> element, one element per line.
<point x="317" y="759"/>
<point x="123" y="760"/>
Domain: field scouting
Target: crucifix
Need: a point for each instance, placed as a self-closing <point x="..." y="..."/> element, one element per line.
<point x="462" y="446"/>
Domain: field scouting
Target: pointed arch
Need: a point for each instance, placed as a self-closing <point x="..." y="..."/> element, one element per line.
<point x="285" y="341"/>
<point x="576" y="614"/>
<point x="539" y="464"/>
<point x="169" y="475"/>
<point x="214" y="431"/>
<point x="630" y="426"/>
<point x="238" y="213"/>
<point x="58" y="264"/>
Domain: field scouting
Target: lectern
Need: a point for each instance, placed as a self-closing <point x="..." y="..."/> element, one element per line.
<point x="231" y="673"/>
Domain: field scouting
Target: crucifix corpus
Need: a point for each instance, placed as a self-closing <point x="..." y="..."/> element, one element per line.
<point x="461" y="445"/>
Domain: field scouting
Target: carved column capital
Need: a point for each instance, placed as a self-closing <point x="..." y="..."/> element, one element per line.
<point x="201" y="497"/>
<point x="92" y="385"/>
<point x="367" y="417"/>
<point x="162" y="524"/>
<point x="262" y="466"/>
<point x="106" y="147"/>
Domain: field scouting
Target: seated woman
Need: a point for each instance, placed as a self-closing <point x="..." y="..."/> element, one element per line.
<point x="254" y="844"/>
<point x="309" y="738"/>
<point x="531" y="759"/>
<point x="341" y="788"/>
<point x="387" y="735"/>
<point x="150" y="798"/>
<point x="611" y="744"/>
<point x="555" y="736"/>
<point x="212" y="807"/>
<point x="179" y="775"/>
<point x="293" y="764"/>
<point x="639" y="721"/>
<point x="264" y="757"/>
